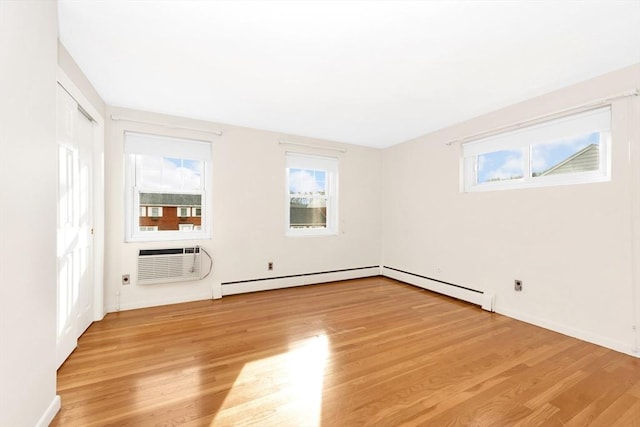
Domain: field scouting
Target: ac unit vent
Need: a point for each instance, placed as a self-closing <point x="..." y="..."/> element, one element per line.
<point x="168" y="265"/>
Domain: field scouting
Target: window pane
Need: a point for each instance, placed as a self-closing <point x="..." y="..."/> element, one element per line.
<point x="149" y="170"/>
<point x="192" y="175"/>
<point x="155" y="172"/>
<point x="168" y="211"/>
<point x="307" y="182"/>
<point x="308" y="212"/>
<point x="571" y="155"/>
<point x="502" y="165"/>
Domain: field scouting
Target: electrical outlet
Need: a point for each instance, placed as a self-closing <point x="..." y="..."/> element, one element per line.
<point x="126" y="279"/>
<point x="270" y="265"/>
<point x="517" y="285"/>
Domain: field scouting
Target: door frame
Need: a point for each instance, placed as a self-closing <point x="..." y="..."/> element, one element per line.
<point x="98" y="192"/>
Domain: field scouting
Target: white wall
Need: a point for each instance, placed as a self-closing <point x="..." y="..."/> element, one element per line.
<point x="73" y="71"/>
<point x="28" y="33"/>
<point x="575" y="247"/>
<point x="248" y="214"/>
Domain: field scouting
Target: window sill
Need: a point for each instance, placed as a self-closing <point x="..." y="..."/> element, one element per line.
<point x="168" y="237"/>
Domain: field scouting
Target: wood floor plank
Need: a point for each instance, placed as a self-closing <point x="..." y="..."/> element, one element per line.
<point x="362" y="352"/>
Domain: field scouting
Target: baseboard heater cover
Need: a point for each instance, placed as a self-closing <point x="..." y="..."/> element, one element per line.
<point x="484" y="299"/>
<point x="293" y="280"/>
<point x="168" y="265"/>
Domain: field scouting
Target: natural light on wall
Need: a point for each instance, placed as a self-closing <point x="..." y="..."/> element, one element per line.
<point x="296" y="377"/>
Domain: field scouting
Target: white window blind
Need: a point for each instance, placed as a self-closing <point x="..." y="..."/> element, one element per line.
<point x="154" y="145"/>
<point x="598" y="120"/>
<point x="303" y="161"/>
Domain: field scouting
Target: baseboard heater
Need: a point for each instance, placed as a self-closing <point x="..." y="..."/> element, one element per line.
<point x="293" y="280"/>
<point x="169" y="265"/>
<point x="464" y="293"/>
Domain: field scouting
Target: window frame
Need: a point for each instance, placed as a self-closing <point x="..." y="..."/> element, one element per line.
<point x="330" y="165"/>
<point x="142" y="143"/>
<point x="524" y="139"/>
<point x="179" y="211"/>
<point x="151" y="209"/>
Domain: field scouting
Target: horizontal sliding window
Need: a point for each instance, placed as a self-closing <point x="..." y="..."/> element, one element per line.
<point x="569" y="150"/>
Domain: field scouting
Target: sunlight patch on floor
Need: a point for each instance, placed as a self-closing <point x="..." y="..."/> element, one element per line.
<point x="295" y="380"/>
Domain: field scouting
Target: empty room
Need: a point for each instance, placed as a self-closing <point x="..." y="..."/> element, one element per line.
<point x="319" y="213"/>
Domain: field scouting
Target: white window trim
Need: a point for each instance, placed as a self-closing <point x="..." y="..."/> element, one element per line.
<point x="179" y="212"/>
<point x="143" y="211"/>
<point x="141" y="143"/>
<point x="597" y="120"/>
<point x="328" y="164"/>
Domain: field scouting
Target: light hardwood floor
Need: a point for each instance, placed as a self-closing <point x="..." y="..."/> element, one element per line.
<point x="362" y="352"/>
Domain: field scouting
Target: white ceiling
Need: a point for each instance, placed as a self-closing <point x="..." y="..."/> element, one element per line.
<point x="372" y="73"/>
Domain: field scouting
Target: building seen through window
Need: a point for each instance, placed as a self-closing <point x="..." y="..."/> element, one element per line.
<point x="166" y="211"/>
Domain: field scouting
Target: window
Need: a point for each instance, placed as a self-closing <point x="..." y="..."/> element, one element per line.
<point x="312" y="195"/>
<point x="569" y="150"/>
<point x="165" y="179"/>
<point x="154" y="211"/>
<point x="196" y="212"/>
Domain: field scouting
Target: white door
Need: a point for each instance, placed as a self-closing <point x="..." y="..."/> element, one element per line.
<point x="84" y="138"/>
<point x="74" y="240"/>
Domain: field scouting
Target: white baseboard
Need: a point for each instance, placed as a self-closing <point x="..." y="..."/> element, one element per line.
<point x="298" y="280"/>
<point x="456" y="292"/>
<point x="580" y="334"/>
<point x="50" y="413"/>
<point x="487" y="301"/>
<point x="253" y="286"/>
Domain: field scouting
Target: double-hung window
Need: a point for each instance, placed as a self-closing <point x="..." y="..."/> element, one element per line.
<point x="312" y="195"/>
<point x="570" y="150"/>
<point x="166" y="180"/>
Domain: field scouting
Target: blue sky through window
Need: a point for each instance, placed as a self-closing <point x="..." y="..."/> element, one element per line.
<point x="306" y="181"/>
<point x="509" y="164"/>
<point x="547" y="155"/>
<point x="500" y="166"/>
<point x="168" y="173"/>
